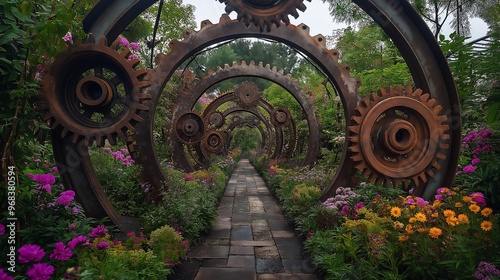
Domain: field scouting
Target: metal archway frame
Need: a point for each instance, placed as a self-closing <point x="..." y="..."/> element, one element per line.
<point x="402" y="24"/>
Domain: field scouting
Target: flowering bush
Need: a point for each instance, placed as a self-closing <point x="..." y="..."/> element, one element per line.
<point x="167" y="244"/>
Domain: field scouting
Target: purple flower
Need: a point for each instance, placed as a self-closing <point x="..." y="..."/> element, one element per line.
<point x="98" y="231"/>
<point x="133" y="57"/>
<point x="134" y="46"/>
<point x="2" y="229"/>
<point x="469" y="169"/>
<point x="61" y="252"/>
<point x="485" y="133"/>
<point x="359" y="205"/>
<point x="46" y="187"/>
<point x="5" y="276"/>
<point x="438" y="197"/>
<point x="68" y="37"/>
<point x="421" y="201"/>
<point x="54" y="170"/>
<point x="40" y="271"/>
<point x="475" y="161"/>
<point x="478" y="198"/>
<point x="124" y="42"/>
<point x="108" y="150"/>
<point x="66" y="197"/>
<point x="75" y="210"/>
<point x="485" y="270"/>
<point x="81" y="239"/>
<point x="103" y="245"/>
<point x="43" y="179"/>
<point x="124" y="151"/>
<point x="37" y="160"/>
<point x="30" y="252"/>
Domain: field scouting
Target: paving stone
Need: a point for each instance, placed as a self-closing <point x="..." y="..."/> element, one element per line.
<point x="241" y="233"/>
<point x="241" y="250"/>
<point x="283" y="233"/>
<point x="214" y="262"/>
<point x="219" y="233"/>
<point x="252" y="243"/>
<point x="241" y="261"/>
<point x="277" y="225"/>
<point x="267" y="252"/>
<point x="186" y="271"/>
<point x="269" y="266"/>
<point x="262" y="236"/>
<point x="209" y="252"/>
<point x="209" y="273"/>
<point x="290" y="248"/>
<point x="239" y="218"/>
<point x="216" y="242"/>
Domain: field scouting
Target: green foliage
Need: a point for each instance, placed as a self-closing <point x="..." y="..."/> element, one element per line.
<point x="246" y="138"/>
<point x="168" y="245"/>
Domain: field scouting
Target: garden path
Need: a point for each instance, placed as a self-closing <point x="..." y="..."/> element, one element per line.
<point x="250" y="238"/>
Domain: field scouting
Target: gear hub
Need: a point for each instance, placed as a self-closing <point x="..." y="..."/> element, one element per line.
<point x="189" y="128"/>
<point x="398" y="136"/>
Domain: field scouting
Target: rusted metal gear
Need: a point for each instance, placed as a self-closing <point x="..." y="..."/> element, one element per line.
<point x="216" y="119"/>
<point x="281" y="117"/>
<point x="189" y="128"/>
<point x="398" y="136"/>
<point x="213" y="141"/>
<point x="93" y="92"/>
<point x="247" y="94"/>
<point x="265" y="13"/>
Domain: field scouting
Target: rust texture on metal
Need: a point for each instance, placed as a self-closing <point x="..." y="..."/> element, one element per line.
<point x="433" y="119"/>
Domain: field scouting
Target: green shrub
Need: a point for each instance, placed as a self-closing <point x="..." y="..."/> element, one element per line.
<point x="168" y="245"/>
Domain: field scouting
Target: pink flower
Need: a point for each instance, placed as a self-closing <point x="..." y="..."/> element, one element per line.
<point x="81" y="239"/>
<point x="68" y="37"/>
<point x="478" y="198"/>
<point x="485" y="133"/>
<point x="134" y="46"/>
<point x="37" y="160"/>
<point x="66" y="197"/>
<point x="124" y="42"/>
<point x="54" y="170"/>
<point x="47" y="188"/>
<point x="103" y="245"/>
<point x="75" y="210"/>
<point x="5" y="276"/>
<point x="2" y="229"/>
<point x="40" y="271"/>
<point x="43" y="179"/>
<point x="133" y="57"/>
<point x="30" y="252"/>
<point x="98" y="231"/>
<point x="61" y="252"/>
<point x="438" y="197"/>
<point x="475" y="161"/>
<point x="108" y="150"/>
<point x="359" y="205"/>
<point x="469" y="169"/>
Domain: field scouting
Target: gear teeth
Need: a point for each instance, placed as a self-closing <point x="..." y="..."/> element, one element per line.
<point x="436" y="165"/>
<point x="100" y="141"/>
<point x="320" y="39"/>
<point x="205" y="23"/>
<point x="357" y="120"/>
<point x="141" y="73"/>
<point x="301" y="7"/>
<point x="444" y="146"/>
<point x="304" y="28"/>
<point x="441" y="156"/>
<point x="380" y="181"/>
<point x="64" y="132"/>
<point x="430" y="173"/>
<point x="75" y="138"/>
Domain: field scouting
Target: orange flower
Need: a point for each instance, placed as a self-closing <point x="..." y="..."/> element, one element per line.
<point x="463" y="219"/>
<point x="397" y="225"/>
<point x="412" y="220"/>
<point x="452" y="221"/>
<point x="422" y="230"/>
<point x="403" y="237"/>
<point x="486" y="211"/>
<point x="435" y="232"/>
<point x="396" y="212"/>
<point x="409" y="229"/>
<point x="486" y="225"/>
<point x="474" y="208"/>
<point x="467" y="199"/>
<point x="435" y="214"/>
<point x="449" y="213"/>
<point x="458" y="205"/>
<point x="436" y="203"/>
<point x="421" y="217"/>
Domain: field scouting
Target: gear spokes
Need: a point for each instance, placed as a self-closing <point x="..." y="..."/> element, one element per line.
<point x="398" y="136"/>
<point x="93" y="92"/>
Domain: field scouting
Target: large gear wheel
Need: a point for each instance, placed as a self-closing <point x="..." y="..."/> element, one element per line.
<point x="247" y="94"/>
<point x="216" y="119"/>
<point x="213" y="141"/>
<point x="281" y="117"/>
<point x="93" y="92"/>
<point x="189" y="128"/>
<point x="264" y="13"/>
<point x="398" y="136"/>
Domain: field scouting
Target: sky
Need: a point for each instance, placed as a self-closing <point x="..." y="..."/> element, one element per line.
<point x="316" y="16"/>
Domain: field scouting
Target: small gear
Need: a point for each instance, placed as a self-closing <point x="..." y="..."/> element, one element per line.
<point x="398" y="136"/>
<point x="189" y="128"/>
<point x="93" y="92"/>
<point x="247" y="94"/>
<point x="281" y="117"/>
<point x="213" y="141"/>
<point x="264" y="13"/>
<point x="216" y="119"/>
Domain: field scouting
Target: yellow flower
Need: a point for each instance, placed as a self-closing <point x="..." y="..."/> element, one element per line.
<point x="396" y="212"/>
<point x="403" y="237"/>
<point x="486" y="211"/>
<point x="463" y="219"/>
<point x="421" y="217"/>
<point x="409" y="229"/>
<point x="435" y="232"/>
<point x="467" y="199"/>
<point x="449" y="213"/>
<point x="412" y="220"/>
<point x="458" y="205"/>
<point x="486" y="225"/>
<point x="412" y="207"/>
<point x="474" y="208"/>
<point x="435" y="214"/>
<point x="422" y="230"/>
<point x="436" y="203"/>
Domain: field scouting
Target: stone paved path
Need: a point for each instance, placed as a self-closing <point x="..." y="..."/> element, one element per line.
<point x="250" y="238"/>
